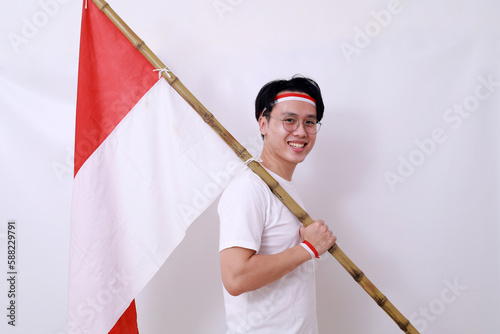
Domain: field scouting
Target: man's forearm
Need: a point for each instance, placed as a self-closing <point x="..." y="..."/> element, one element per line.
<point x="242" y="270"/>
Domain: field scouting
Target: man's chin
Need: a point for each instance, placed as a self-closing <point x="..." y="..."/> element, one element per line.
<point x="297" y="159"/>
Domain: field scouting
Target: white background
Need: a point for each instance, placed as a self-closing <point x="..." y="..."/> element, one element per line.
<point x="428" y="240"/>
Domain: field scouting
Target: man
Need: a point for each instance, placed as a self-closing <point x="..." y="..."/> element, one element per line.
<point x="264" y="250"/>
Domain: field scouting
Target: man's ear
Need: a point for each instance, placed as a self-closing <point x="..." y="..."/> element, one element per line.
<point x="263" y="124"/>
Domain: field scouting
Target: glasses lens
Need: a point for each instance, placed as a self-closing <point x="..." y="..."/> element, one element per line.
<point x="290" y="123"/>
<point x="314" y="129"/>
<point x="310" y="126"/>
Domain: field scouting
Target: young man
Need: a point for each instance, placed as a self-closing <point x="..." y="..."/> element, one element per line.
<point x="264" y="250"/>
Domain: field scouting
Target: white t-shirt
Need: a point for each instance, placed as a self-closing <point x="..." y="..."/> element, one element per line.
<point x="252" y="217"/>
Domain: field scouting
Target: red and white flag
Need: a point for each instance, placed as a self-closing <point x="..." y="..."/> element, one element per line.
<point x="146" y="166"/>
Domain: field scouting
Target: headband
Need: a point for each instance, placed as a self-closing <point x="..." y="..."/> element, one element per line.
<point x="291" y="96"/>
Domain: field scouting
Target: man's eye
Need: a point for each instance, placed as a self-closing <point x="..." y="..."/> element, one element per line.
<point x="310" y="122"/>
<point x="290" y="120"/>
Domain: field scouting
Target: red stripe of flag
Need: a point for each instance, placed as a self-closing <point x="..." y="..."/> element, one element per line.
<point x="127" y="324"/>
<point x="105" y="76"/>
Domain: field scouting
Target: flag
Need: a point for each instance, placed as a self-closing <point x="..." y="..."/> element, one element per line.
<point x="146" y="166"/>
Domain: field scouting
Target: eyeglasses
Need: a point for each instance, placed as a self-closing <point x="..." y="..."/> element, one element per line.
<point x="291" y="123"/>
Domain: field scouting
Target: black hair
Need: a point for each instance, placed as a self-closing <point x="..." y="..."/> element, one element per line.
<point x="267" y="94"/>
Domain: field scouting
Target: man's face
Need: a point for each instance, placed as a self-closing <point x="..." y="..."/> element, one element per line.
<point x="284" y="146"/>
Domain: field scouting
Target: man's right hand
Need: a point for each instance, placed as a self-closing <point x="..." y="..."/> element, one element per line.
<point x="319" y="235"/>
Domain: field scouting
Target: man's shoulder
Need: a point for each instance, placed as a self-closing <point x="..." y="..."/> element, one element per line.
<point x="246" y="180"/>
<point x="247" y="175"/>
<point x="245" y="189"/>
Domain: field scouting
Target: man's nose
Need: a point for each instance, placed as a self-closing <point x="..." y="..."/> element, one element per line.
<point x="301" y="129"/>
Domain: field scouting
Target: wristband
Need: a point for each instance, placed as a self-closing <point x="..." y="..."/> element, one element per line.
<point x="310" y="248"/>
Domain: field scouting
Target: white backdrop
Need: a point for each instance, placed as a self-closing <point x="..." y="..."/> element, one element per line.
<point x="405" y="170"/>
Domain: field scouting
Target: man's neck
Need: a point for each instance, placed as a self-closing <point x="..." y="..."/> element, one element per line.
<point x="281" y="169"/>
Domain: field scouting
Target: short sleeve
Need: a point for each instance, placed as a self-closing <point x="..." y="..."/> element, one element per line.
<point x="242" y="212"/>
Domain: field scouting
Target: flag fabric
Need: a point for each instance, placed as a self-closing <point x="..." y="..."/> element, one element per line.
<point x="146" y="166"/>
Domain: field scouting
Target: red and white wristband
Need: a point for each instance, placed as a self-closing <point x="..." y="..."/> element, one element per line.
<point x="310" y="248"/>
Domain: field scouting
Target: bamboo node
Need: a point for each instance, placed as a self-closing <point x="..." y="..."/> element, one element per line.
<point x="303" y="217"/>
<point x="382" y="301"/>
<point x="240" y="152"/>
<point x="358" y="276"/>
<point x="405" y="326"/>
<point x="104" y="6"/>
<point x="208" y="118"/>
<point x="273" y="186"/>
<point x="173" y="80"/>
<point x="139" y="45"/>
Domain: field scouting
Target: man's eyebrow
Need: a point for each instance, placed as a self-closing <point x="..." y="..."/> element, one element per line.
<point x="291" y="113"/>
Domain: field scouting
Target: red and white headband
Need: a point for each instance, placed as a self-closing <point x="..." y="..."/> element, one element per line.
<point x="292" y="96"/>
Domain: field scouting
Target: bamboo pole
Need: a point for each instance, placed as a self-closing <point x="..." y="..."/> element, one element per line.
<point x="244" y="155"/>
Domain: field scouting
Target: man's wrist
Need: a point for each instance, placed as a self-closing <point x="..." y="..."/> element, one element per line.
<point x="310" y="248"/>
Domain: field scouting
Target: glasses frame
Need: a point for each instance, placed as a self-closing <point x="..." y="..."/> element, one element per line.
<point x="318" y="124"/>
